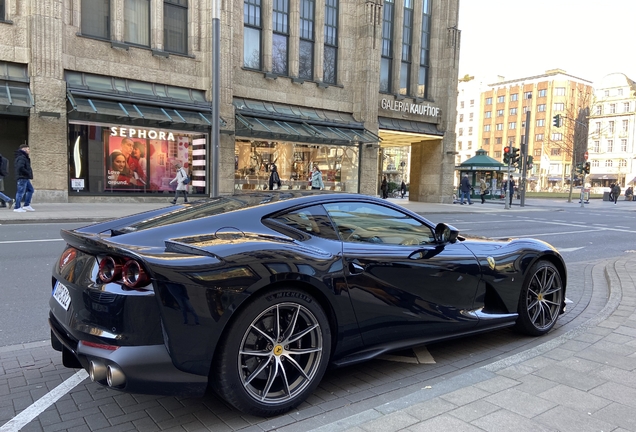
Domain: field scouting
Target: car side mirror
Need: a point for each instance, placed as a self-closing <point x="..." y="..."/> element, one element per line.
<point x="446" y="233"/>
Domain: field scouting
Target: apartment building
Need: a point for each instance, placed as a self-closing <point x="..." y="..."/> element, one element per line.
<point x="336" y="83"/>
<point x="503" y="110"/>
<point x="612" y="135"/>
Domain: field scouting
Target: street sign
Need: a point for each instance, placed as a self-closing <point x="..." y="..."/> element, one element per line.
<point x="585" y="156"/>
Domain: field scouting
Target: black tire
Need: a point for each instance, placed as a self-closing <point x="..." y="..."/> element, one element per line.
<point x="266" y="369"/>
<point x="540" y="300"/>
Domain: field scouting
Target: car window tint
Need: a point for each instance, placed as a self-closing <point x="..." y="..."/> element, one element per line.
<point x="372" y="223"/>
<point x="310" y="220"/>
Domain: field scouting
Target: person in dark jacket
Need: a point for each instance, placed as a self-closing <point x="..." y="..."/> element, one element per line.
<point x="5" y="201"/>
<point x="384" y="188"/>
<point x="24" y="175"/>
<point x="403" y="189"/>
<point x="274" y="178"/>
<point x="464" y="189"/>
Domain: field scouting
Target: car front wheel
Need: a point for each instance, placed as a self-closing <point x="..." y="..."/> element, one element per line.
<point x="540" y="300"/>
<point x="274" y="353"/>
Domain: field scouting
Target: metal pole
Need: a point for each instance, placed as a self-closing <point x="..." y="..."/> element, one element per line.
<point x="525" y="145"/>
<point x="582" y="190"/>
<point x="216" y="95"/>
<point x="507" y="184"/>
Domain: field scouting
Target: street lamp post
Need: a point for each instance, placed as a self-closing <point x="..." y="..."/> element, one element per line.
<point x="216" y="96"/>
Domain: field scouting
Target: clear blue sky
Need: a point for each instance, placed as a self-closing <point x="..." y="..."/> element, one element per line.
<point x="586" y="38"/>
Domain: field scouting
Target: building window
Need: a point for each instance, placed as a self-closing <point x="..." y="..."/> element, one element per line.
<point x="610" y="146"/>
<point x="489" y="101"/>
<point x="280" y="37"/>
<point x="472" y="103"/>
<point x="625" y="125"/>
<point x="470" y="130"/>
<point x="626" y="107"/>
<point x="559" y="106"/>
<point x="387" y="47"/>
<point x="598" y="127"/>
<point x="541" y="108"/>
<point x="459" y="145"/>
<point x="514" y="97"/>
<point x="606" y="93"/>
<point x="612" y="108"/>
<point x="486" y="128"/>
<point x="2" y="15"/>
<point x="499" y="113"/>
<point x="620" y="92"/>
<point x="488" y="114"/>
<point x="555" y="152"/>
<point x="622" y="163"/>
<point x="596" y="163"/>
<point x="497" y="154"/>
<point x="559" y="91"/>
<point x="407" y="41"/>
<point x="540" y="122"/>
<point x="422" y="80"/>
<point x="252" y="29"/>
<point x="461" y="132"/>
<point x="512" y="125"/>
<point x="557" y="136"/>
<point x="538" y="137"/>
<point x="461" y="118"/>
<point x="543" y="93"/>
<point x="611" y="126"/>
<point x="175" y="26"/>
<point x="95" y="17"/>
<point x="513" y="111"/>
<point x="537" y="152"/>
<point x="331" y="42"/>
<point x="623" y="145"/>
<point x="527" y="95"/>
<point x="486" y="141"/>
<point x="597" y="147"/>
<point x="499" y="126"/>
<point x="470" y="145"/>
<point x="498" y="140"/>
<point x="461" y="104"/>
<point x="470" y="116"/>
<point x="306" y="45"/>
<point x="501" y="99"/>
<point x="609" y="163"/>
<point x="137" y="22"/>
<point x="599" y="110"/>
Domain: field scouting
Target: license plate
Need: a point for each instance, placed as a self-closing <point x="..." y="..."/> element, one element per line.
<point x="61" y="294"/>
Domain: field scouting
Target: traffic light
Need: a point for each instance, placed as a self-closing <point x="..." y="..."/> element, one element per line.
<point x="587" y="168"/>
<point x="580" y="169"/>
<point x="557" y="121"/>
<point x="529" y="163"/>
<point x="506" y="158"/>
<point x="514" y="156"/>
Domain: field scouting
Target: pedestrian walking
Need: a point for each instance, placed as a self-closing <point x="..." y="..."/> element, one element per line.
<point x="182" y="179"/>
<point x="511" y="188"/>
<point x="464" y="190"/>
<point x="315" y="179"/>
<point x="483" y="189"/>
<point x="616" y="192"/>
<point x="274" y="178"/>
<point x="4" y="171"/>
<point x="24" y="175"/>
<point x="384" y="188"/>
<point x="403" y="189"/>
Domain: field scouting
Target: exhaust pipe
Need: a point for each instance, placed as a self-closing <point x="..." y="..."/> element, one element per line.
<point x="97" y="371"/>
<point x="114" y="376"/>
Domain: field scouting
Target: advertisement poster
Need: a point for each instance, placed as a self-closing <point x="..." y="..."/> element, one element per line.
<point x="144" y="164"/>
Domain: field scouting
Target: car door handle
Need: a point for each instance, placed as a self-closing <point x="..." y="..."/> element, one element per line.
<point x="355" y="268"/>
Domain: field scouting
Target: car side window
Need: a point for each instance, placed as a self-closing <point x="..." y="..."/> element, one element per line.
<point x="371" y="223"/>
<point x="310" y="220"/>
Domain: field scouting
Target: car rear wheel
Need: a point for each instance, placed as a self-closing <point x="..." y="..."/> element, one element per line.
<point x="274" y="353"/>
<point x="540" y="300"/>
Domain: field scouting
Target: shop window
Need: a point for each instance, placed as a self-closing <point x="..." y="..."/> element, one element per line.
<point x="175" y="26"/>
<point x="124" y="159"/>
<point x="280" y="37"/>
<point x="306" y="48"/>
<point x="95" y="15"/>
<point x="330" y="64"/>
<point x="137" y="22"/>
<point x="387" y="46"/>
<point x="252" y="30"/>
<point x="422" y="82"/>
<point x="407" y="39"/>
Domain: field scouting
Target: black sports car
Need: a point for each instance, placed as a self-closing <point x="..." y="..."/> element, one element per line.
<point x="255" y="295"/>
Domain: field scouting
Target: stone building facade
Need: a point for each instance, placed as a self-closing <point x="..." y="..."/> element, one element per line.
<point x="338" y="84"/>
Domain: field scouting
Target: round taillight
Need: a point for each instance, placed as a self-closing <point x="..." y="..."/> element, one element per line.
<point x="133" y="275"/>
<point x="109" y="270"/>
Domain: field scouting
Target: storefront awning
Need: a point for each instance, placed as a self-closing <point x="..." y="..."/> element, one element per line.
<point x="15" y="98"/>
<point x="265" y="120"/>
<point x="401" y="125"/>
<point x="93" y="109"/>
<point x="603" y="177"/>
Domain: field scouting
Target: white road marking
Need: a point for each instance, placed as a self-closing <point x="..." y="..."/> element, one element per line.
<point x="35" y="409"/>
<point x="545" y="234"/>
<point x="572" y="249"/>
<point x="29" y="241"/>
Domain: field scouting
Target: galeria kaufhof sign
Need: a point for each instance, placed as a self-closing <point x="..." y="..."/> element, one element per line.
<point x="425" y="110"/>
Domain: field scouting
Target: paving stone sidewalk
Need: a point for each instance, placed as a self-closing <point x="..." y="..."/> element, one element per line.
<point x="583" y="380"/>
